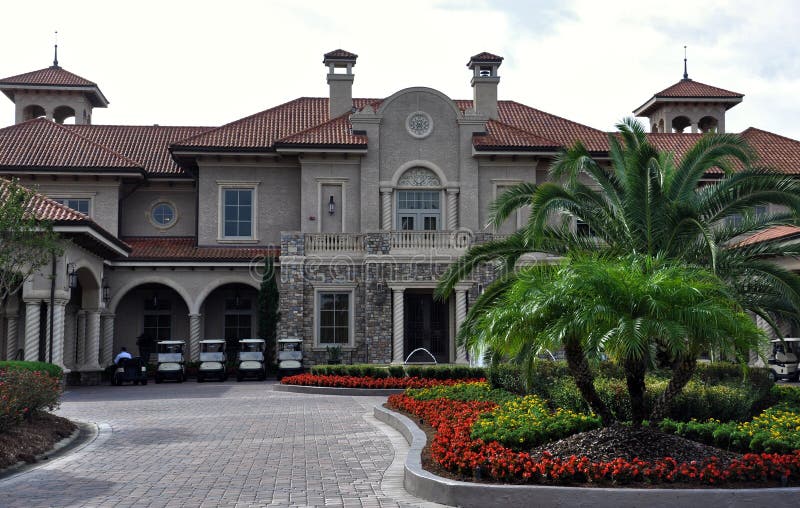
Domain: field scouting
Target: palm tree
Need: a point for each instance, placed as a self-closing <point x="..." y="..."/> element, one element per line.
<point x="620" y="306"/>
<point x="646" y="202"/>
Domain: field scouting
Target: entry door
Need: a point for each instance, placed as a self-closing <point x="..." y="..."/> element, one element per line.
<point x="426" y="326"/>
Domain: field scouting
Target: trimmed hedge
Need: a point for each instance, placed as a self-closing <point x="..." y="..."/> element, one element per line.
<point x="386" y="371"/>
<point x="47" y="368"/>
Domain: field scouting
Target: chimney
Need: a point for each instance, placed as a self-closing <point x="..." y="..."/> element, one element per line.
<point x="340" y="83"/>
<point x="484" y="83"/>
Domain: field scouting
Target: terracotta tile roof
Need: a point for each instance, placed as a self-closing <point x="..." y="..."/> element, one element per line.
<point x="336" y="132"/>
<point x="50" y="76"/>
<point x="42" y="144"/>
<point x="148" y="145"/>
<point x="260" y="131"/>
<point x="340" y="53"/>
<point x="485" y="57"/>
<point x="182" y="248"/>
<point x="500" y="136"/>
<point x="46" y="209"/>
<point x="695" y="89"/>
<point x="679" y="144"/>
<point x="552" y="127"/>
<point x="774" y="151"/>
<point x="773" y="233"/>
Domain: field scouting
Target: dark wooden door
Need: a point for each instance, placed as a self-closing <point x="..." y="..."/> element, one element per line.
<point x="426" y="326"/>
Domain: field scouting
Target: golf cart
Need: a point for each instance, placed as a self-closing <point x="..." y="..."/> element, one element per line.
<point x="170" y="360"/>
<point x="130" y="369"/>
<point x="212" y="360"/>
<point x="290" y="357"/>
<point x="251" y="359"/>
<point x="784" y="358"/>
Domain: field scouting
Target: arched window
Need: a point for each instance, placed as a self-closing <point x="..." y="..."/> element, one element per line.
<point x="419" y="197"/>
<point x="708" y="124"/>
<point x="61" y="113"/>
<point x="33" y="111"/>
<point x="679" y="123"/>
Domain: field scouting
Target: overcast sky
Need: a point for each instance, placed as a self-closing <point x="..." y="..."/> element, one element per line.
<point x="208" y="63"/>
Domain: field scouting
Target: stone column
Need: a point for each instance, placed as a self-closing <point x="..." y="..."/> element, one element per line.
<point x="386" y="208"/>
<point x="80" y="340"/>
<point x="92" y="356"/>
<point x="57" y="341"/>
<point x="107" y="351"/>
<point x="398" y="324"/>
<point x="461" y="314"/>
<point x="194" y="336"/>
<point x="452" y="209"/>
<point x="12" y="325"/>
<point x="32" y="315"/>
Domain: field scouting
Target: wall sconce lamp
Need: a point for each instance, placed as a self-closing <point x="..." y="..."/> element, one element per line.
<point x="106" y="292"/>
<point x="331" y="206"/>
<point x="155" y="300"/>
<point x="72" y="276"/>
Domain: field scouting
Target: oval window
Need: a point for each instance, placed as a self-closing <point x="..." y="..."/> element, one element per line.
<point x="163" y="214"/>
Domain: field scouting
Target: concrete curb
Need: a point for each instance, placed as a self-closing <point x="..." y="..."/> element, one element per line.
<point x="83" y="435"/>
<point x="428" y="486"/>
<point x="325" y="390"/>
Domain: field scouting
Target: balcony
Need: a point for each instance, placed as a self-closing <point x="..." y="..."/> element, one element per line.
<point x="382" y="242"/>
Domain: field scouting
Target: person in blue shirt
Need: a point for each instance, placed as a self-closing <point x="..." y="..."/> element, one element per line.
<point x="123" y="353"/>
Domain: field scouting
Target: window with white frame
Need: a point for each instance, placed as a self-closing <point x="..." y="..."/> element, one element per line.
<point x="237" y="212"/>
<point x="333" y="317"/>
<point x="83" y="205"/>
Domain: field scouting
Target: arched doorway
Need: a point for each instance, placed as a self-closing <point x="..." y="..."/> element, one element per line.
<point x="230" y="312"/>
<point x="152" y="309"/>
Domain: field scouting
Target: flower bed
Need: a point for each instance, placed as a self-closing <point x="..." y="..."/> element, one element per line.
<point x="455" y="449"/>
<point x="367" y="382"/>
<point x="25" y="392"/>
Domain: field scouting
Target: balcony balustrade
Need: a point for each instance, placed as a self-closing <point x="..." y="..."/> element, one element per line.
<point x="384" y="242"/>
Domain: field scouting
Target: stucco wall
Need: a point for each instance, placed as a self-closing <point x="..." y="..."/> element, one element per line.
<point x="137" y="207"/>
<point x="330" y="171"/>
<point x="278" y="198"/>
<point x="494" y="177"/>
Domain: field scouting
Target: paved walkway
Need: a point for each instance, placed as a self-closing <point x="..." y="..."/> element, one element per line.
<point x="220" y="444"/>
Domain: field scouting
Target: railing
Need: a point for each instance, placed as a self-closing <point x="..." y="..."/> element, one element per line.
<point x="426" y="240"/>
<point x="334" y="242"/>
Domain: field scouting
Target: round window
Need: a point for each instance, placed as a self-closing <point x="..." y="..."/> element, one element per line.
<point x="163" y="214"/>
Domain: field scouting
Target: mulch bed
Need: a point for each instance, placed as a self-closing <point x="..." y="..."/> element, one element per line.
<point x="646" y="443"/>
<point x="24" y="442"/>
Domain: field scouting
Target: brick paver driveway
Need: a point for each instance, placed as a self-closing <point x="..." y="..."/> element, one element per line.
<point x="219" y="444"/>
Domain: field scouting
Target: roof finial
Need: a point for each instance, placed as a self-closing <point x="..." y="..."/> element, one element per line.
<point x="685" y="73"/>
<point x="55" y="55"/>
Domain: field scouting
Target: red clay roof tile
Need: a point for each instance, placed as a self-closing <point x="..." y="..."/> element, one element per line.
<point x="43" y="144"/>
<point x="340" y="53"/>
<point x="148" y="145"/>
<point x="500" y="136"/>
<point x="773" y="233"/>
<point x="50" y="76"/>
<point x="334" y="132"/>
<point x="182" y="248"/>
<point x="485" y="57"/>
<point x="694" y="89"/>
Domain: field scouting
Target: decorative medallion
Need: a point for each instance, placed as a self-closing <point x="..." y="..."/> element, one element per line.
<point x="419" y="124"/>
<point x="419" y="177"/>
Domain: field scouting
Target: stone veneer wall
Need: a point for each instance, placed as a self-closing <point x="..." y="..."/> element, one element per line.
<point x="369" y="274"/>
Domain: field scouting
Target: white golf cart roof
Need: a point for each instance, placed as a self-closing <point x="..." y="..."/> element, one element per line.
<point x="290" y="340"/>
<point x="787" y="339"/>
<point x="251" y="341"/>
<point x="171" y="342"/>
<point x="212" y="341"/>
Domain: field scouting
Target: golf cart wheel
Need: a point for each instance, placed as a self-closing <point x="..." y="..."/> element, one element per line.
<point x="239" y="378"/>
<point x="144" y="382"/>
<point x="135" y="382"/>
<point x="158" y="380"/>
<point x="262" y="376"/>
<point x="180" y="378"/>
<point x="772" y="376"/>
<point x="199" y="378"/>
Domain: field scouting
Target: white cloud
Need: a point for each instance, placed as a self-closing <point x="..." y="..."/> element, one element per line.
<point x="207" y="63"/>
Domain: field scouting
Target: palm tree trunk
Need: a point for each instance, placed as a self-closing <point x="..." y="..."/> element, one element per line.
<point x="634" y="378"/>
<point x="584" y="379"/>
<point x="682" y="370"/>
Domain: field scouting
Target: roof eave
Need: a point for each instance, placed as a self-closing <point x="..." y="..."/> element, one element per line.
<point x="646" y="108"/>
<point x="320" y="147"/>
<point x="134" y="172"/>
<point x="91" y="229"/>
<point x="98" y="99"/>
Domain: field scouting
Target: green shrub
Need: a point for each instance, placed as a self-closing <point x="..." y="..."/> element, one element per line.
<point x="397" y="371"/>
<point x="462" y="392"/>
<point x="48" y="368"/>
<point x="526" y="422"/>
<point x="25" y="392"/>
